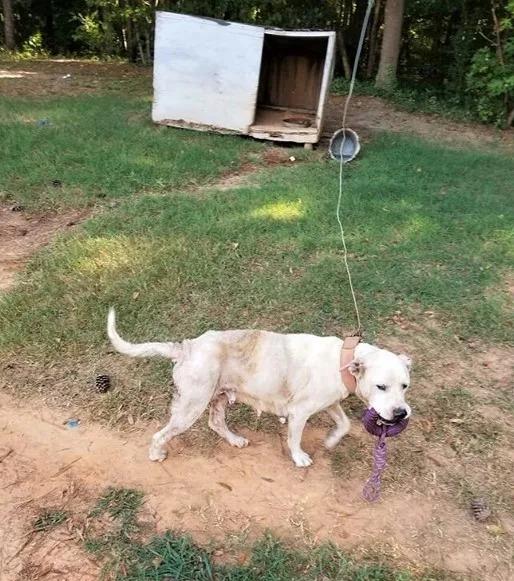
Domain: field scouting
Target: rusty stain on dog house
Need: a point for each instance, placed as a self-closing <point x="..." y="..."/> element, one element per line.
<point x="215" y="75"/>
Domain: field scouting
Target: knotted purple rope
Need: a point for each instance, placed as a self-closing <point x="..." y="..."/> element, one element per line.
<point x="376" y="426"/>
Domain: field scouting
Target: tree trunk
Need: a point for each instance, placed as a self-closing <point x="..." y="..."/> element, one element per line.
<point x="8" y="25"/>
<point x="49" y="27"/>
<point x="497" y="31"/>
<point x="510" y="118"/>
<point x="373" y="37"/>
<point x="344" y="55"/>
<point x="386" y="76"/>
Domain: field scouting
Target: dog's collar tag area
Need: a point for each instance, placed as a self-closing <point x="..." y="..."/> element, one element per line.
<point x="347" y="356"/>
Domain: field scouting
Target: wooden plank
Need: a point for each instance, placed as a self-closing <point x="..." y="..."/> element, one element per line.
<point x="301" y="136"/>
<point x="206" y="72"/>
<point x="328" y="72"/>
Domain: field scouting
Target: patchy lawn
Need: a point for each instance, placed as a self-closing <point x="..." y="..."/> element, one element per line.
<point x="116" y="534"/>
<point x="77" y="151"/>
<point x="430" y="232"/>
<point x="428" y="241"/>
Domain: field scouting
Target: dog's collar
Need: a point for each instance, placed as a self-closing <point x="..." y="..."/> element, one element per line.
<point x="347" y="356"/>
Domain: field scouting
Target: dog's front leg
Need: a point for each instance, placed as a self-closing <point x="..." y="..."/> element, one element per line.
<point x="342" y="426"/>
<point x="296" y="423"/>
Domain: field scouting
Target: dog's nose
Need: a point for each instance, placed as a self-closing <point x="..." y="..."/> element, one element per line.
<point x="399" y="414"/>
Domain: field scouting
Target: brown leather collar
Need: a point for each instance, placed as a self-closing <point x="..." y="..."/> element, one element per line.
<point x="347" y="356"/>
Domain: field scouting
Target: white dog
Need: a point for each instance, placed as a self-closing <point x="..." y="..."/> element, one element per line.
<point x="293" y="376"/>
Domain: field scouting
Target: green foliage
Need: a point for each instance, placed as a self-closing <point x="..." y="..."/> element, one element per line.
<point x="120" y="504"/>
<point x="491" y="76"/>
<point x="421" y="99"/>
<point x="34" y="47"/>
<point x="177" y="557"/>
<point x="116" y="542"/>
<point x="98" y="36"/>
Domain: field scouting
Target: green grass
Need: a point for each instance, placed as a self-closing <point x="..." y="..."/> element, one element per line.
<point x="174" y="555"/>
<point x="122" y="504"/>
<point x="428" y="228"/>
<point x="177" y="557"/>
<point x="49" y="519"/>
<point x="101" y="147"/>
<point x="116" y="516"/>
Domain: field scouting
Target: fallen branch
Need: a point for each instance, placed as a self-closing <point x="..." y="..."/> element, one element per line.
<point x="6" y="455"/>
<point x="65" y="468"/>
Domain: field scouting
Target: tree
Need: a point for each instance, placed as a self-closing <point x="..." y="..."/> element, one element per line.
<point x="10" y="43"/>
<point x="373" y="38"/>
<point x="388" y="65"/>
<point x="491" y="76"/>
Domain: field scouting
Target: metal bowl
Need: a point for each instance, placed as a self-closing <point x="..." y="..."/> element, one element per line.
<point x="344" y="141"/>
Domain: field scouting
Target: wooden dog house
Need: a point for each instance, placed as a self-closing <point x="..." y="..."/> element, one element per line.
<point x="234" y="78"/>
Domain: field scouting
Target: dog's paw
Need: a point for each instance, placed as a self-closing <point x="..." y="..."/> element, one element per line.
<point x="331" y="442"/>
<point x="302" y="459"/>
<point x="333" y="439"/>
<point x="157" y="454"/>
<point x="239" y="442"/>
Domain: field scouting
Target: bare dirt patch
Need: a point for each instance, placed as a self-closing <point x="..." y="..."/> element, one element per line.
<point x="368" y="115"/>
<point x="245" y="174"/>
<point x="70" y="77"/>
<point x="21" y="234"/>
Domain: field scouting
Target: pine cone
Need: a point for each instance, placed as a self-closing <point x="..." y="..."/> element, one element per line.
<point x="102" y="383"/>
<point x="480" y="509"/>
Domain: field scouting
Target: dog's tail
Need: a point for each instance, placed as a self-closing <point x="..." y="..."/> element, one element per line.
<point x="169" y="350"/>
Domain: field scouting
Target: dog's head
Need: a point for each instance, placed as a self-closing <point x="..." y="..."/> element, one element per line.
<point x="382" y="381"/>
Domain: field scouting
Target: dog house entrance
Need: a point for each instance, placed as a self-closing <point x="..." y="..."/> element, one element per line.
<point x="291" y="87"/>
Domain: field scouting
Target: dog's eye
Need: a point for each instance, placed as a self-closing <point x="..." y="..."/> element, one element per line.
<point x="404" y="385"/>
<point x="382" y="387"/>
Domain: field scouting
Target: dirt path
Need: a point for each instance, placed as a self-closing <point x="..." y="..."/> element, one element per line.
<point x="368" y="115"/>
<point x="22" y="234"/>
<point x="248" y="491"/>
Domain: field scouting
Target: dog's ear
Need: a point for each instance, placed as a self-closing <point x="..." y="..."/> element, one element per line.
<point x="356" y="368"/>
<point x="406" y="360"/>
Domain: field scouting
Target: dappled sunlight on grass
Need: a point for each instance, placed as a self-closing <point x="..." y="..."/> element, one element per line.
<point x="504" y="237"/>
<point x="270" y="256"/>
<point x="416" y="226"/>
<point x="282" y="211"/>
<point x="105" y="256"/>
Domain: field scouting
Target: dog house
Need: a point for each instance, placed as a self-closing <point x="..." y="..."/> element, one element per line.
<point x="214" y="75"/>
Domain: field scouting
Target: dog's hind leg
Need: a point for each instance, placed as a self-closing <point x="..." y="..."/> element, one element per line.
<point x="192" y="398"/>
<point x="218" y="424"/>
<point x="341" y="428"/>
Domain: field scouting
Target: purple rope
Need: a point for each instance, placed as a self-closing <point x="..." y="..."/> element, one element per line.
<point x="375" y="426"/>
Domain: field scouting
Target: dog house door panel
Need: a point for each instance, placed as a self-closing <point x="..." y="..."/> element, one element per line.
<point x="206" y="72"/>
